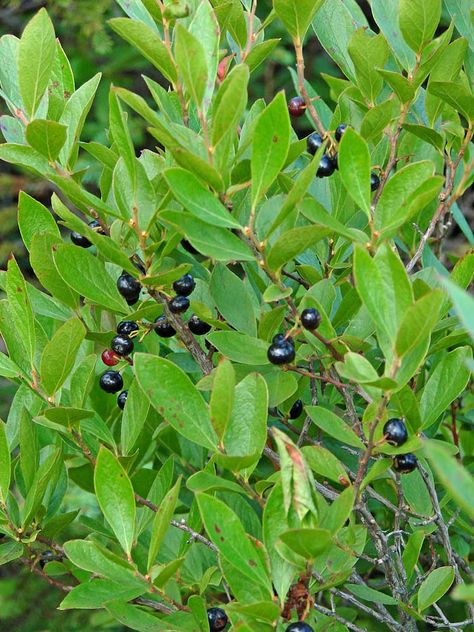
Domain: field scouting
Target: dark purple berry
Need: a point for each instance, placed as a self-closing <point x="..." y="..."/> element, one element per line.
<point x="281" y="353"/>
<point x="198" y="326"/>
<point x="310" y="318"/>
<point x="299" y="626"/>
<point x="340" y="129"/>
<point x="326" y="167"/>
<point x="178" y="304"/>
<point x="278" y="339"/>
<point x="79" y="240"/>
<point x="313" y="143"/>
<point x="122" y="345"/>
<point x="127" y="327"/>
<point x="121" y="399"/>
<point x="296" y="107"/>
<point x="185" y="285"/>
<point x="163" y="328"/>
<point x="374" y="181"/>
<point x="128" y="287"/>
<point x="111" y="382"/>
<point x="405" y="463"/>
<point x="395" y="432"/>
<point x="217" y="619"/>
<point x="296" y="409"/>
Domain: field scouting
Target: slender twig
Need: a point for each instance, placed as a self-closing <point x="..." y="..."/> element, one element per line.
<point x="334" y="615"/>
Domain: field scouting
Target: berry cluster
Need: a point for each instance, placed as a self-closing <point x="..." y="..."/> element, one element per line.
<point x="395" y="433"/>
<point x="121" y="347"/>
<point x="183" y="287"/>
<point x="282" y="349"/>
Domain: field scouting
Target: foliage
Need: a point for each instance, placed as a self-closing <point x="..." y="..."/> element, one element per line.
<point x="207" y="489"/>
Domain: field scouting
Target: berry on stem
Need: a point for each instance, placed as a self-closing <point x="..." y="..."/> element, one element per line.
<point x="310" y="318"/>
<point x="296" y="106"/>
<point x="79" y="240"/>
<point x="128" y="287"/>
<point x="127" y="327"/>
<point x="281" y="352"/>
<point x="95" y="225"/>
<point x="313" y="143"/>
<point x="395" y="432"/>
<point x="109" y="358"/>
<point x="299" y="626"/>
<point x="121" y="399"/>
<point x="122" y="345"/>
<point x="46" y="556"/>
<point x="374" y="181"/>
<point x="178" y="304"/>
<point x="217" y="619"/>
<point x="198" y="326"/>
<point x="326" y="167"/>
<point x="405" y="463"/>
<point x="163" y="328"/>
<point x="111" y="382"/>
<point x="278" y="339"/>
<point x="185" y="285"/>
<point x="340" y="129"/>
<point x="296" y="409"/>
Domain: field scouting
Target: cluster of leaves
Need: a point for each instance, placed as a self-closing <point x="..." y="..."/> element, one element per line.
<point x="205" y="489"/>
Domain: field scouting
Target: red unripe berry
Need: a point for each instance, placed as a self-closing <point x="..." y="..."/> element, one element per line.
<point x="296" y="106"/>
<point x="109" y="358"/>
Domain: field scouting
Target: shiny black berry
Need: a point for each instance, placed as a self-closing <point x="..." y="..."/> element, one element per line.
<point x="179" y="304"/>
<point x="122" y="345"/>
<point x="79" y="240"/>
<point x="127" y="327"/>
<point x="326" y="167"/>
<point x="128" y="287"/>
<point x="299" y="626"/>
<point x="217" y="619"/>
<point x="374" y="181"/>
<point x="163" y="328"/>
<point x="340" y="129"/>
<point x="185" y="285"/>
<point x="121" y="399"/>
<point x="313" y="143"/>
<point x="296" y="409"/>
<point x="281" y="353"/>
<point x="296" y="107"/>
<point x="405" y="463"/>
<point x="198" y="326"/>
<point x="111" y="382"/>
<point x="46" y="557"/>
<point x="278" y="339"/>
<point x="310" y="318"/>
<point x="395" y="432"/>
<point x="335" y="160"/>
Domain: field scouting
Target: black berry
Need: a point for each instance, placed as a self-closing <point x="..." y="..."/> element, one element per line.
<point x="95" y="225"/>
<point x="395" y="432"/>
<point x="335" y="160"/>
<point x="340" y="129"/>
<point x="310" y="318"/>
<point x="79" y="240"/>
<point x="122" y="345"/>
<point x="198" y="326"/>
<point x="278" y="339"/>
<point x="217" y="619"/>
<point x="185" y="285"/>
<point x="121" y="399"/>
<point x="296" y="106"/>
<point x="313" y="143"/>
<point x="127" y="327"/>
<point x="296" y="409"/>
<point x="46" y="557"/>
<point x="179" y="304"/>
<point x="405" y="463"/>
<point x="374" y="181"/>
<point x="163" y="328"/>
<point x="281" y="353"/>
<point x="189" y="247"/>
<point x="299" y="626"/>
<point x="111" y="382"/>
<point x="128" y="287"/>
<point x="326" y="167"/>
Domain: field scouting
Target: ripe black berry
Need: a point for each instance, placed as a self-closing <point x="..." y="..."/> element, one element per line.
<point x="46" y="557"/>
<point x="296" y="106"/>
<point x="198" y="326"/>
<point x="95" y="225"/>
<point x="179" y="304"/>
<point x="278" y="339"/>
<point x="127" y="327"/>
<point x="128" y="287"/>
<point x="121" y="399"/>
<point x="326" y="167"/>
<point x="163" y="327"/>
<point x="310" y="318"/>
<point x="296" y="409"/>
<point x="217" y="619"/>
<point x="300" y="626"/>
<point x="405" y="463"/>
<point x="335" y="160"/>
<point x="185" y="285"/>
<point x="122" y="345"/>
<point x="313" y="143"/>
<point x="340" y="129"/>
<point x="281" y="353"/>
<point x="395" y="432"/>
<point x="79" y="240"/>
<point x="374" y="181"/>
<point x="111" y="382"/>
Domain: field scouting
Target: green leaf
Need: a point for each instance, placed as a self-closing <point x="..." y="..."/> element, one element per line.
<point x="334" y="426"/>
<point x="10" y="551"/>
<point x="354" y="166"/>
<point x="240" y="347"/>
<point x="148" y="42"/>
<point x="191" y="61"/>
<point x="367" y="52"/>
<point x="454" y="477"/>
<point x="446" y="382"/>
<point x="309" y="543"/>
<point x="436" y="584"/>
<point x="412" y="550"/>
<point x="27" y="157"/>
<point x="176" y="398"/>
<point x="5" y="464"/>
<point x="418" y="21"/>
<point x="271" y="141"/>
<point x="97" y="592"/>
<point x="134" y="617"/>
<point x="34" y="218"/>
<point x="386" y="17"/>
<point x="456" y="95"/>
<point x="399" y="84"/>
<point x="464" y="592"/>
<point x="418" y="322"/>
<point x="134" y="417"/>
<point x="115" y="496"/>
<point x="21" y="308"/>
<point x="296" y="16"/>
<point x="222" y="396"/>
<point x="122" y="139"/>
<point x="66" y="416"/>
<point x="8" y="368"/>
<point x="293" y="242"/>
<point x="197" y="199"/>
<point x="59" y="355"/>
<point x="232" y="298"/>
<point x="339" y="512"/>
<point x="91" y="557"/>
<point x="87" y="275"/>
<point x="47" y="137"/>
<point x="371" y="595"/>
<point x="230" y="103"/>
<point x="36" y="55"/>
<point x="325" y="464"/>
<point x="463" y="304"/>
<point x="161" y="523"/>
